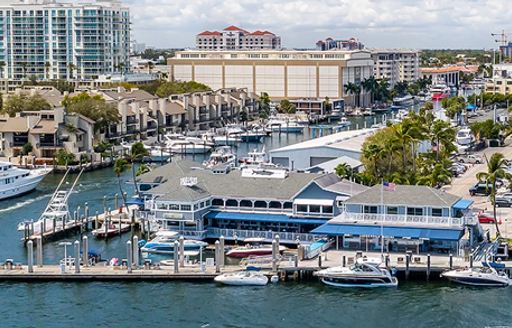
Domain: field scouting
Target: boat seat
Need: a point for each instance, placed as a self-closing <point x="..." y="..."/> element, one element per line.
<point x="400" y="260"/>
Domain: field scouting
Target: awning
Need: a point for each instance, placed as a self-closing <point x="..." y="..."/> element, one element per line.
<point x="323" y="202"/>
<point x="389" y="232"/>
<point x="277" y="218"/>
<point x="463" y="204"/>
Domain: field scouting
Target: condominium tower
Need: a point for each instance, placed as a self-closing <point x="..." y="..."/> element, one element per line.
<point x="396" y="65"/>
<point x="63" y="40"/>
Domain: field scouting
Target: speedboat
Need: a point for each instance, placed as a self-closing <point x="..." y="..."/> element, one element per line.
<point x="364" y="273"/>
<point x="244" y="278"/>
<point x="221" y="156"/>
<point x="15" y="182"/>
<point x="163" y="243"/>
<point x="484" y="276"/>
<point x="407" y="100"/>
<point x="111" y="230"/>
<point x="253" y="248"/>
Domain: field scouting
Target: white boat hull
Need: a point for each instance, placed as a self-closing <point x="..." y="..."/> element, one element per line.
<point x="242" y="280"/>
<point x="393" y="283"/>
<point x="18" y="190"/>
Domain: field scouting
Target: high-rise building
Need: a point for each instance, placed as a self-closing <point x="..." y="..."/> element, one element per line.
<point x="63" y="40"/>
<point x="235" y="38"/>
<point x="396" y="65"/>
<point x="331" y="44"/>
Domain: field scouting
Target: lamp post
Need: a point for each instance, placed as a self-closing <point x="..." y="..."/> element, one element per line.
<point x="65" y="244"/>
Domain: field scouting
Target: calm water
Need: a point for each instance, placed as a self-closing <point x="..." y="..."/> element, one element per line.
<point x="181" y="304"/>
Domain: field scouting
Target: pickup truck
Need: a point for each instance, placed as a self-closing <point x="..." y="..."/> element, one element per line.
<point x="470" y="159"/>
<point x="480" y="189"/>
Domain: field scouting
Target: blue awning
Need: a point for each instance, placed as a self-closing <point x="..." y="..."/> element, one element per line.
<point x="258" y="217"/>
<point x="471" y="107"/>
<point x="463" y="204"/>
<point x="332" y="229"/>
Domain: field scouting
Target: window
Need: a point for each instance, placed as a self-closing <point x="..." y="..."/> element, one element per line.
<point x="370" y="209"/>
<point x="392" y="210"/>
<point x="327" y="209"/>
<point x="437" y="212"/>
<point x="245" y="203"/>
<point x="232" y="202"/>
<point x="174" y="207"/>
<point x="288" y="205"/>
<point x="314" y="208"/>
<point x="415" y="211"/>
<point x="196" y="207"/>
<point x="302" y="208"/>
<point x="161" y="206"/>
<point x="186" y="207"/>
<point x="260" y="204"/>
<point x="275" y="205"/>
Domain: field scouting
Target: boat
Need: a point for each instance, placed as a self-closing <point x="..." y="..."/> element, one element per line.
<point x="402" y="114"/>
<point x="179" y="144"/>
<point x="284" y="125"/>
<point x="465" y="137"/>
<point x="255" y="157"/>
<point x="221" y="156"/>
<point x="334" y="115"/>
<point x="243" y="278"/>
<point x="163" y="243"/>
<point x="364" y="273"/>
<point x="403" y="101"/>
<point x="344" y="122"/>
<point x="254" y="247"/>
<point x="157" y="154"/>
<point x="16" y="182"/>
<point x="220" y="140"/>
<point x="483" y="276"/>
<point x="112" y="229"/>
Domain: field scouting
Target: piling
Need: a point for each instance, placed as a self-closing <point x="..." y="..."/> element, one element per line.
<point x="104" y="204"/>
<point x="85" y="251"/>
<point x="176" y="245"/>
<point x="182" y="251"/>
<point x="54" y="225"/>
<point x="451" y="261"/>
<point x="343" y="261"/>
<point x="320" y="261"/>
<point x="387" y="260"/>
<point x="471" y="260"/>
<point x="217" y="257"/>
<point x="296" y="261"/>
<point x="428" y="267"/>
<point x="30" y="257"/>
<point x="135" y="251"/>
<point x="129" y="256"/>
<point x="407" y="260"/>
<point x="275" y="250"/>
<point x="40" y="252"/>
<point x="41" y="227"/>
<point x="77" y="256"/>
<point x="86" y="215"/>
<point x="116" y="201"/>
<point x="96" y="220"/>
<point x="222" y="250"/>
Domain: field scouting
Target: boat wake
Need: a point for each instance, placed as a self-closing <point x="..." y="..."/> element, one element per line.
<point x="22" y="204"/>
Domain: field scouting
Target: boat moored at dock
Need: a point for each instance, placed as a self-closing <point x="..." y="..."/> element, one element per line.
<point x="163" y="243"/>
<point x="15" y="181"/>
<point x="244" y="278"/>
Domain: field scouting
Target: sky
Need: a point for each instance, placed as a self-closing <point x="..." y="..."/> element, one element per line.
<point x="417" y="24"/>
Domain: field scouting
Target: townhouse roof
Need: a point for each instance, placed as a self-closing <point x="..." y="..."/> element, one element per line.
<point x="174" y="108"/>
<point x="231" y="184"/>
<point x="235" y="28"/>
<point x="14" y="124"/>
<point x="136" y="94"/>
<point x="405" y="195"/>
<point x="44" y="127"/>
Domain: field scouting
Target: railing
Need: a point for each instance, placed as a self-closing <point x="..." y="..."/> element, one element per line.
<point x="269" y="235"/>
<point x="404" y="219"/>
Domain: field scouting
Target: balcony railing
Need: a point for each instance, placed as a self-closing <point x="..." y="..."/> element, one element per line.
<point x="240" y="235"/>
<point x="410" y="220"/>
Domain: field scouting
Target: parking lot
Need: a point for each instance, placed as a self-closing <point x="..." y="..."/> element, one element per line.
<point x="461" y="184"/>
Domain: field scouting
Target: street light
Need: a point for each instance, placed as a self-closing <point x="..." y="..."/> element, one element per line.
<point x="65" y="244"/>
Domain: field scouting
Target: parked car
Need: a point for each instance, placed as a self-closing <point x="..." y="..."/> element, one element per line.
<point x="485" y="218"/>
<point x="480" y="189"/>
<point x="457" y="169"/>
<point x="504" y="200"/>
<point x="470" y="159"/>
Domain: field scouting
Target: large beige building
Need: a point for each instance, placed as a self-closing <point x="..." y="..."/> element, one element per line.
<point x="282" y="74"/>
<point x="396" y="65"/>
<point x="235" y="38"/>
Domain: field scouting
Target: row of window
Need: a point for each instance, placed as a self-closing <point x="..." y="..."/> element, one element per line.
<point x="252" y="204"/>
<point x="416" y="211"/>
<point x="183" y="207"/>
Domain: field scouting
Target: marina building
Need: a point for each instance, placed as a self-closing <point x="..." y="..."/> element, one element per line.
<point x="238" y="204"/>
<point x="235" y="38"/>
<point x="289" y="74"/>
<point x="53" y="39"/>
<point x="311" y="153"/>
<point x="396" y="65"/>
<point x="411" y="218"/>
<point x="448" y="75"/>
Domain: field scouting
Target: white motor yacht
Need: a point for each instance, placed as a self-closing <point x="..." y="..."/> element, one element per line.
<point x="179" y="144"/>
<point x="484" y="276"/>
<point x="15" y="181"/>
<point x="163" y="243"/>
<point x="285" y="125"/>
<point x="364" y="273"/>
<point x="244" y="278"/>
<point x="220" y="140"/>
<point x="255" y="157"/>
<point x="221" y="156"/>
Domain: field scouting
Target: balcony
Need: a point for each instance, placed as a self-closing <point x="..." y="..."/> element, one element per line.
<point x="404" y="220"/>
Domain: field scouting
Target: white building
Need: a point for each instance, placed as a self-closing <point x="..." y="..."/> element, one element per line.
<point x="289" y="74"/>
<point x="63" y="40"/>
<point x="311" y="153"/>
<point x="235" y="38"/>
<point x="396" y="65"/>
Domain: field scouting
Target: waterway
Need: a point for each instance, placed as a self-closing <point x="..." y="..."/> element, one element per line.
<point x="179" y="304"/>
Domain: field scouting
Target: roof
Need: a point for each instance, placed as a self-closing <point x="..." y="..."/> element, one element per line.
<point x="44" y="127"/>
<point x="136" y="94"/>
<point x="261" y="33"/>
<point x="234" y="28"/>
<point x="231" y="184"/>
<point x="405" y="195"/>
<point x="440" y="70"/>
<point x="333" y="229"/>
<point x="349" y="140"/>
<point x="346" y="187"/>
<point x="330" y="166"/>
<point x="174" y="108"/>
<point x="210" y="33"/>
<point x="14" y="124"/>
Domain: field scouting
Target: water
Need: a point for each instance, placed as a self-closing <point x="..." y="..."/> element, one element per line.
<point x="183" y="304"/>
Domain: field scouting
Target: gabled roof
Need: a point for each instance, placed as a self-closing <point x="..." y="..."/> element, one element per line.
<point x="261" y="33"/>
<point x="210" y="33"/>
<point x="139" y="95"/>
<point x="234" y="28"/>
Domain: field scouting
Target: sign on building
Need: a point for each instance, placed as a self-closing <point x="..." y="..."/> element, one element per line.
<point x="188" y="181"/>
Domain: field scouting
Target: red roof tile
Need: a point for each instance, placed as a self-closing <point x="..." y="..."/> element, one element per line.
<point x="234" y="28"/>
<point x="210" y="33"/>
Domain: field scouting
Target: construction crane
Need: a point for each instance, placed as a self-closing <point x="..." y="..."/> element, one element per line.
<point x="502" y="40"/>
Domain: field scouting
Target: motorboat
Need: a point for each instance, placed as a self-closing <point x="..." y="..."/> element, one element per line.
<point x="465" y="137"/>
<point x="344" y="122"/>
<point x="402" y="114"/>
<point x="284" y="125"/>
<point x="364" y="273"/>
<point x="221" y="156"/>
<point x="254" y="247"/>
<point x="157" y="154"/>
<point x="334" y="115"/>
<point x="255" y="157"/>
<point x="243" y="278"/>
<point x="405" y="101"/>
<point x="179" y="144"/>
<point x="163" y="243"/>
<point x="483" y="276"/>
<point x="221" y="140"/>
<point x="112" y="229"/>
<point x="15" y="181"/>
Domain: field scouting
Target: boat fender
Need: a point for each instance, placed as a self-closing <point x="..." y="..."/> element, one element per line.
<point x="274" y="279"/>
<point x="141" y="243"/>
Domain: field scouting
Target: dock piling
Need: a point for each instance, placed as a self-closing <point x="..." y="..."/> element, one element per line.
<point x="343" y="261"/>
<point x="30" y="257"/>
<point x="451" y="261"/>
<point x="222" y="250"/>
<point x="275" y="250"/>
<point x="182" y="252"/>
<point x="42" y="227"/>
<point x="96" y="220"/>
<point x="407" y="261"/>
<point x="85" y="251"/>
<point x="129" y="256"/>
<point x="471" y="260"/>
<point x="428" y="267"/>
<point x="217" y="257"/>
<point x="86" y="215"/>
<point x="135" y="251"/>
<point x="77" y="256"/>
<point x="296" y="261"/>
<point x="40" y="251"/>
<point x="176" y="254"/>
<point x="116" y="201"/>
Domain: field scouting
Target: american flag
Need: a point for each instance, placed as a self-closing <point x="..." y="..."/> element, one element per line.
<point x="389" y="186"/>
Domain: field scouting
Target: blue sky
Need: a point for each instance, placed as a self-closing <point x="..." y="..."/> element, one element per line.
<point x="378" y="23"/>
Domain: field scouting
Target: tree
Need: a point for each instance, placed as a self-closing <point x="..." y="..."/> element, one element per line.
<point x="18" y="103"/>
<point x="496" y="169"/>
<point x="243" y="116"/>
<point x="142" y="169"/>
<point x="285" y="106"/>
<point x="264" y="105"/>
<point x="169" y="88"/>
<point x="327" y="105"/>
<point x="344" y="171"/>
<point x="64" y="158"/>
<point x="120" y="166"/>
<point x="443" y="137"/>
<point x="354" y="90"/>
<point x="94" y="107"/>
<point x="371" y="85"/>
<point x="137" y="153"/>
<point x="401" y="88"/>
<point x="27" y="149"/>
<point x="436" y="176"/>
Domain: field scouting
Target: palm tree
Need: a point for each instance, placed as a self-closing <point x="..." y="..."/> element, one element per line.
<point x="495" y="170"/>
<point x="401" y="87"/>
<point x="120" y="166"/>
<point x="137" y="153"/>
<point x="344" y="171"/>
<point x="355" y="90"/>
<point x="406" y="134"/>
<point x="438" y="175"/>
<point x="442" y="134"/>
<point x="382" y="93"/>
<point x="142" y="169"/>
<point x="371" y="85"/>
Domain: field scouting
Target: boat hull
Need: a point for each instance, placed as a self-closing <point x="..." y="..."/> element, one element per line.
<point x="349" y="282"/>
<point x="169" y="248"/>
<point x="237" y="280"/>
<point x="19" y="190"/>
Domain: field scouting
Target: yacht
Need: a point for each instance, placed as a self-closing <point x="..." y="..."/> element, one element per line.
<point x="465" y="137"/>
<point x="364" y="273"/>
<point x="255" y="157"/>
<point x="403" y="101"/>
<point x="243" y="278"/>
<point x="163" y="243"/>
<point x="484" y="276"/>
<point x="439" y="91"/>
<point x="220" y="140"/>
<point x="284" y="125"/>
<point x="221" y="156"/>
<point x="179" y="144"/>
<point x="157" y="154"/>
<point x="254" y="247"/>
<point x="15" y="181"/>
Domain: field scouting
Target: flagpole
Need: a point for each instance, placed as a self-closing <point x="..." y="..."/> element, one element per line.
<point x="382" y="221"/>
